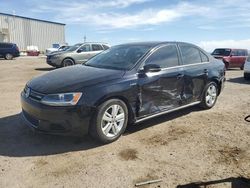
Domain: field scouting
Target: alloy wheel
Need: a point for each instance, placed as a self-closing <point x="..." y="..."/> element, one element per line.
<point x="113" y="120"/>
<point x="211" y="95"/>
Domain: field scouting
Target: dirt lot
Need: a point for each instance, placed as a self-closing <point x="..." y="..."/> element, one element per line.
<point x="180" y="148"/>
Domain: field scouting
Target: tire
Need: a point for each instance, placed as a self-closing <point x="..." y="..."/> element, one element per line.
<point x="8" y="56"/>
<point x="105" y="128"/>
<point x="242" y="67"/>
<point x="226" y="65"/>
<point x="210" y="95"/>
<point x="68" y="62"/>
<point x="246" y="76"/>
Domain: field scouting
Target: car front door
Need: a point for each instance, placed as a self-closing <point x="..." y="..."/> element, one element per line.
<point x="161" y="91"/>
<point x="196" y="70"/>
<point x="82" y="54"/>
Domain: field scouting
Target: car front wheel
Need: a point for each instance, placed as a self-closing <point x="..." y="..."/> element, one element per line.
<point x="209" y="96"/>
<point x="67" y="62"/>
<point x="9" y="56"/>
<point x="110" y="121"/>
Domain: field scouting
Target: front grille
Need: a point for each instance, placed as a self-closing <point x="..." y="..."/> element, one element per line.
<point x="31" y="119"/>
<point x="35" y="95"/>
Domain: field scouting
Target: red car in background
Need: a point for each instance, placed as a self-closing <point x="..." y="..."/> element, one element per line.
<point x="233" y="58"/>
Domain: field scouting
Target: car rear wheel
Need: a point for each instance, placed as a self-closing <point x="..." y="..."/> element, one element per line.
<point x="209" y="96"/>
<point x="110" y="121"/>
<point x="242" y="67"/>
<point x="8" y="56"/>
<point x="247" y="76"/>
<point x="67" y="62"/>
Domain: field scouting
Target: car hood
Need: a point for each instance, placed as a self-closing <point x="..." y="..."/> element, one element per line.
<point x="72" y="78"/>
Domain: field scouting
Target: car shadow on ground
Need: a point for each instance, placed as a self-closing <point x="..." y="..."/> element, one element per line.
<point x="239" y="182"/>
<point x="239" y="80"/>
<point x="45" y="69"/>
<point x="160" y="119"/>
<point x="17" y="140"/>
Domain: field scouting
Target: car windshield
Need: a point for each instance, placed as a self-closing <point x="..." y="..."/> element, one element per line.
<point x="75" y="47"/>
<point x="222" y="52"/>
<point x="122" y="57"/>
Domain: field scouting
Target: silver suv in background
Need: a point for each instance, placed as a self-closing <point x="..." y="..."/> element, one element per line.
<point x="77" y="54"/>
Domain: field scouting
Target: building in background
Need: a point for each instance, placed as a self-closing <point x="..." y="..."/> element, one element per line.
<point x="30" y="32"/>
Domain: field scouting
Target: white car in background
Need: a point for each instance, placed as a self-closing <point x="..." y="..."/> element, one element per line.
<point x="247" y="69"/>
<point x="61" y="48"/>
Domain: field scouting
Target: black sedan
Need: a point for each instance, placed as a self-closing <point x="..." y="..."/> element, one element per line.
<point x="125" y="84"/>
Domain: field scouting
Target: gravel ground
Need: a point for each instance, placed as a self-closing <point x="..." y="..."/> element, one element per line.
<point x="188" y="146"/>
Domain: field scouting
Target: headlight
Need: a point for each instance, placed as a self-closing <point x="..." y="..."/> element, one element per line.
<point x="55" y="56"/>
<point x="62" y="99"/>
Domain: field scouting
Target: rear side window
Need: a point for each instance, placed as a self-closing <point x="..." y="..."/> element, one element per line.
<point x="96" y="47"/>
<point x="241" y="53"/>
<point x="190" y="54"/>
<point x="105" y="47"/>
<point x="204" y="57"/>
<point x="6" y="45"/>
<point x="165" y="57"/>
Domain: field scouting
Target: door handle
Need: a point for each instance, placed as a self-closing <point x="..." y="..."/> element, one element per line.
<point x="179" y="76"/>
<point x="206" y="71"/>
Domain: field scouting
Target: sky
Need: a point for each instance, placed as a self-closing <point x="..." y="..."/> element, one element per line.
<point x="208" y="23"/>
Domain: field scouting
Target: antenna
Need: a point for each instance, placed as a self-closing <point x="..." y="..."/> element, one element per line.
<point x="85" y="38"/>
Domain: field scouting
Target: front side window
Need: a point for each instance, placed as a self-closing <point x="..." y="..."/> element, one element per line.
<point x="221" y="52"/>
<point x="166" y="56"/>
<point x="190" y="54"/>
<point x="85" y="48"/>
<point x="96" y="47"/>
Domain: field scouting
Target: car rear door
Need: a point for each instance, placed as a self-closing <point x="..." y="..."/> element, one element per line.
<point x="161" y="91"/>
<point x="196" y="70"/>
<point x="96" y="49"/>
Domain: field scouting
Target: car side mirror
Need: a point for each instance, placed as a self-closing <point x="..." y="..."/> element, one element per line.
<point x="79" y="51"/>
<point x="151" y="68"/>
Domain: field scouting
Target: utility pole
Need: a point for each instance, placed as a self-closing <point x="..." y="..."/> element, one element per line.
<point x="85" y="38"/>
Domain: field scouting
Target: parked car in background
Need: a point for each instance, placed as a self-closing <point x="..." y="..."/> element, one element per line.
<point x="247" y="69"/>
<point x="61" y="48"/>
<point x="233" y="58"/>
<point x="77" y="54"/>
<point x="9" y="50"/>
<point x="127" y="83"/>
<point x="65" y="48"/>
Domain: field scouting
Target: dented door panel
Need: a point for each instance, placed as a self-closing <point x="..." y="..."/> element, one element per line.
<point x="160" y="91"/>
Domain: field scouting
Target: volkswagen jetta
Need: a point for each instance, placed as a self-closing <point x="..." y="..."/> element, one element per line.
<point x="125" y="84"/>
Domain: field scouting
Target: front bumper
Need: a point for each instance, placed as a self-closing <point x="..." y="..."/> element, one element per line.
<point x="55" y="120"/>
<point x="53" y="62"/>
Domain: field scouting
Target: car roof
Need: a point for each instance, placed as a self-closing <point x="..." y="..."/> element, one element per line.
<point x="230" y="49"/>
<point x="155" y="43"/>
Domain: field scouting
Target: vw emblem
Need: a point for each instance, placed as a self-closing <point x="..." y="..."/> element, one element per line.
<point x="27" y="93"/>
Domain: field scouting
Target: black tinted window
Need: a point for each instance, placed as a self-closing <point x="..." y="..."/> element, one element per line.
<point x="96" y="47"/>
<point x="165" y="57"/>
<point x="241" y="52"/>
<point x="221" y="52"/>
<point x="105" y="47"/>
<point x="204" y="57"/>
<point x="190" y="54"/>
<point x="5" y="45"/>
